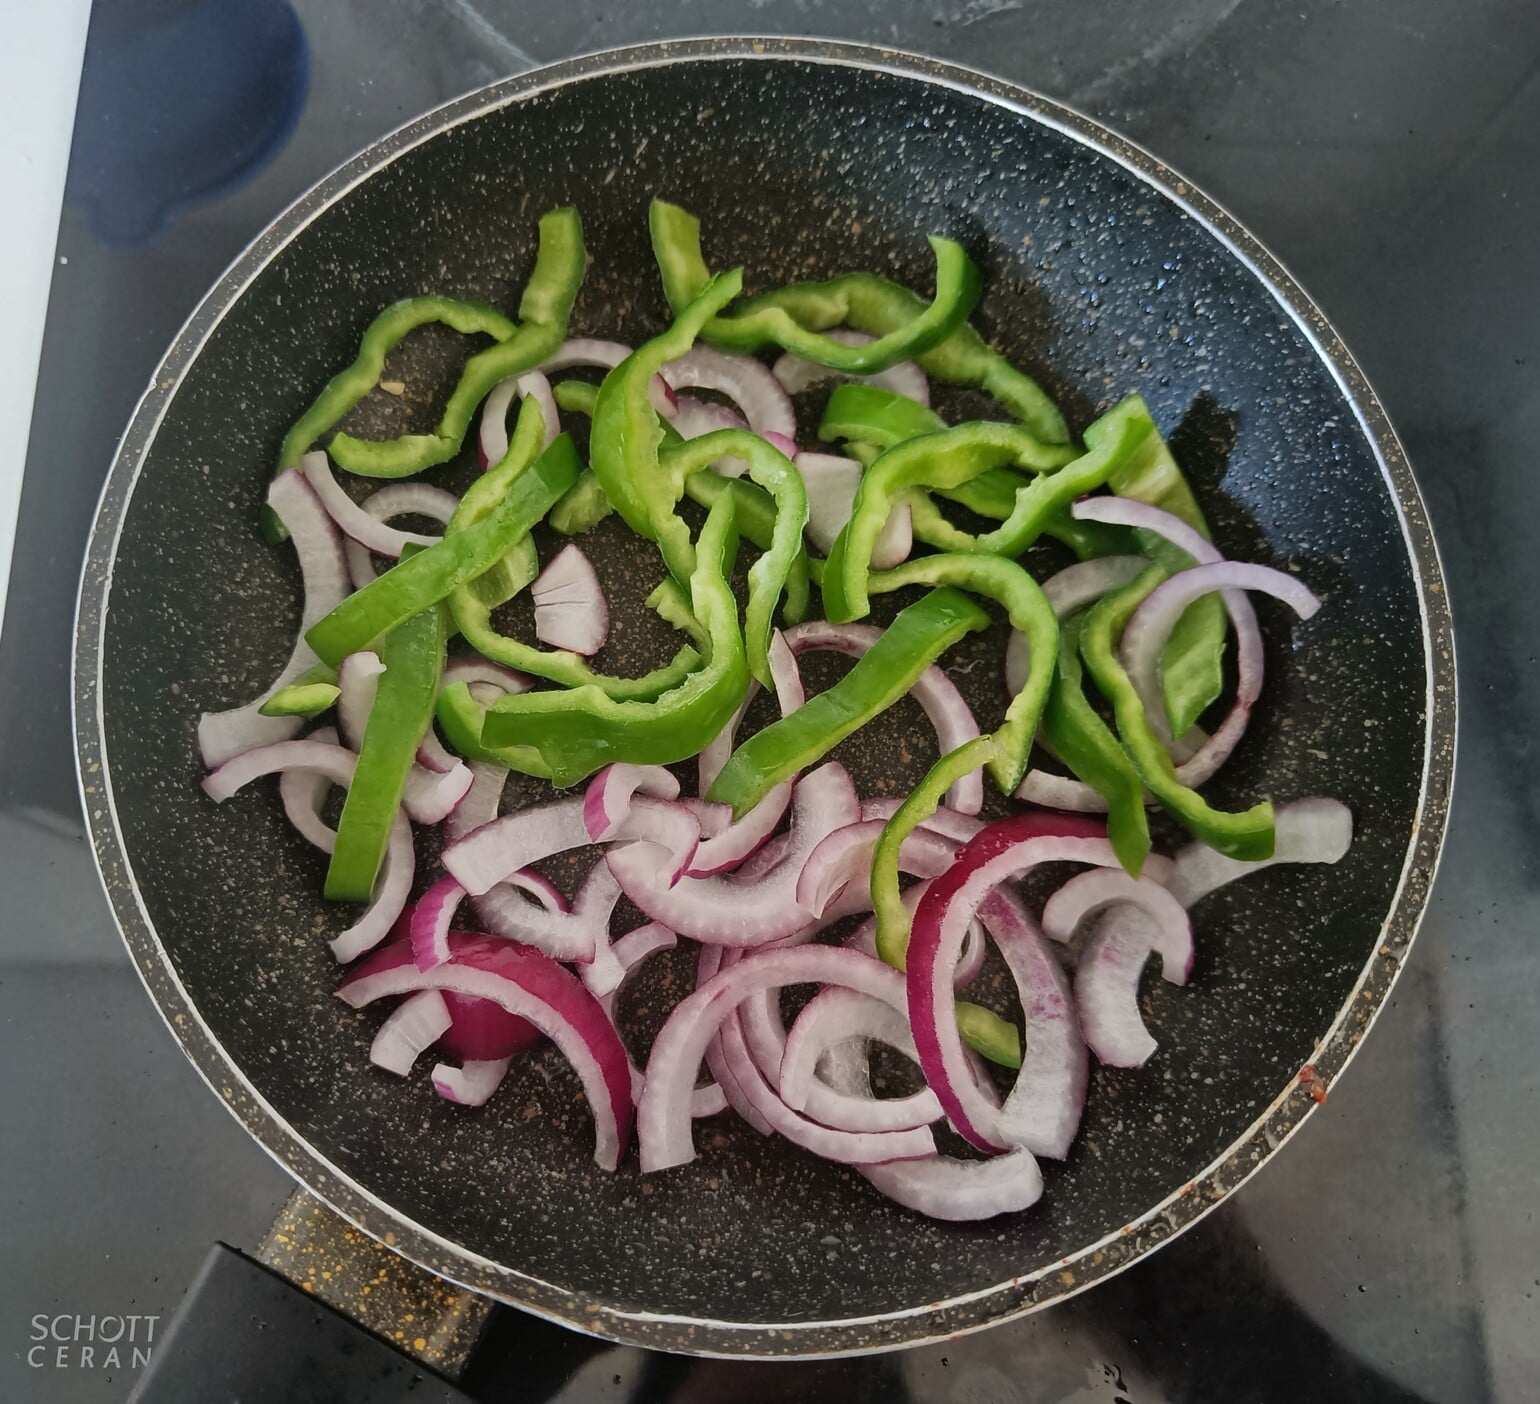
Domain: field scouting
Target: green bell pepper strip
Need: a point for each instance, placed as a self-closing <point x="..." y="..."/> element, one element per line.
<point x="349" y="386"/>
<point x="883" y="674"/>
<point x="575" y="396"/>
<point x="871" y="415"/>
<point x="1022" y="597"/>
<point x="381" y="336"/>
<point x="944" y="460"/>
<point x="413" y="655"/>
<point x="436" y="573"/>
<point x="1247" y="835"/>
<point x="502" y="581"/>
<point x="490" y="490"/>
<point x="768" y="576"/>
<point x="582" y="507"/>
<point x="583" y="729"/>
<point x="872" y="419"/>
<point x="872" y="304"/>
<point x="473" y="618"/>
<point x="985" y="496"/>
<point x="984" y="1031"/>
<point x="461" y="717"/>
<point x="1085" y="743"/>
<point x="544" y="309"/>
<point x="627" y="433"/>
<point x="301" y="700"/>
<point x="672" y="605"/>
<point x="793" y="317"/>
<point x="1192" y="666"/>
<point x="756" y="516"/>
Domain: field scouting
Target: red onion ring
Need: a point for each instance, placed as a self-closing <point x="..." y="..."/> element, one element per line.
<point x="570" y="609"/>
<point x="412" y="1026"/>
<point x="832" y="481"/>
<point x="472" y="1084"/>
<point x="535" y="988"/>
<point x="745" y="381"/>
<point x="492" y="438"/>
<point x="323" y="569"/>
<point x="1314" y="830"/>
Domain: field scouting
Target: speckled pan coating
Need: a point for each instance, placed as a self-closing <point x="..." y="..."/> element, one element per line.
<point x="1105" y="273"/>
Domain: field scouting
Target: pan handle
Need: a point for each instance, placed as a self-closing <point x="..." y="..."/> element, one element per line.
<point x="321" y="1310"/>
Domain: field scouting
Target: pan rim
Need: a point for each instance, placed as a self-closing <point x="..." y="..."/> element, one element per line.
<point x="911" y="1326"/>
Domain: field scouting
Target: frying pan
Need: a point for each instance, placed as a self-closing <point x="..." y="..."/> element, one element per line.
<point x="1105" y="273"/>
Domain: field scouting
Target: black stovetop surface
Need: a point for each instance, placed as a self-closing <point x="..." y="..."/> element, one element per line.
<point x="1386" y="150"/>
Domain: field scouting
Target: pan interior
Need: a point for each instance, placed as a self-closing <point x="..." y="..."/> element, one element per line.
<point x="1095" y="282"/>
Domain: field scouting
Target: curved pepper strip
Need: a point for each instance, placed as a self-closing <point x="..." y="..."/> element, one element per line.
<point x="792" y="317"/>
<point x="436" y="573"/>
<point x="301" y="700"/>
<point x="1022" y="597"/>
<point x="942" y="460"/>
<point x="581" y="730"/>
<point x="1084" y="742"/>
<point x="1247" y="835"/>
<point x="985" y="495"/>
<point x="983" y="1030"/>
<point x="461" y="717"/>
<point x="627" y="433"/>
<point x="755" y="512"/>
<point x="349" y="386"/>
<point x="882" y="675"/>
<point x="413" y="655"/>
<point x="1192" y="665"/>
<point x="544" y="309"/>
<point x="777" y="475"/>
<point x="585" y="504"/>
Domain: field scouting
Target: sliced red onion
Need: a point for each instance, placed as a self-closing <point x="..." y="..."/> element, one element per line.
<point x="359" y="525"/>
<point x="428" y="925"/>
<point x="430" y="797"/>
<point x="832" y="481"/>
<point x="405" y="499"/>
<point x="694" y="417"/>
<point x="941" y="1186"/>
<point x="1088" y="894"/>
<point x="726" y="850"/>
<point x="487" y="855"/>
<point x="1107" y="983"/>
<point x="433" y="755"/>
<point x="1148" y="631"/>
<point x="832" y="1017"/>
<point x="477" y="671"/>
<point x="936" y="693"/>
<point x="607" y="800"/>
<point x="413" y="1025"/>
<point x="482" y="1031"/>
<point x="324" y="570"/>
<point x="580" y="935"/>
<point x="730" y="911"/>
<point x="846" y="1147"/>
<point x="492" y="440"/>
<point x="472" y="1084"/>
<point x="944" y="1187"/>
<point x="336" y="763"/>
<point x="537" y="989"/>
<point x="845" y="858"/>
<point x="590" y="351"/>
<point x="902" y="378"/>
<point x="303" y="792"/>
<point x="1000" y="852"/>
<point x="975" y="948"/>
<point x="1315" y="830"/>
<point x="1047" y="1097"/>
<point x="946" y="821"/>
<point x="481" y="802"/>
<point x="570" y="609"/>
<point x="629" y="952"/>
<point x="709" y="960"/>
<point x="358" y="679"/>
<point x="663" y="1123"/>
<point x="743" y="380"/>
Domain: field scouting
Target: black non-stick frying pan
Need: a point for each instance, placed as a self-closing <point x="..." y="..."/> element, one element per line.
<point x="1105" y="273"/>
